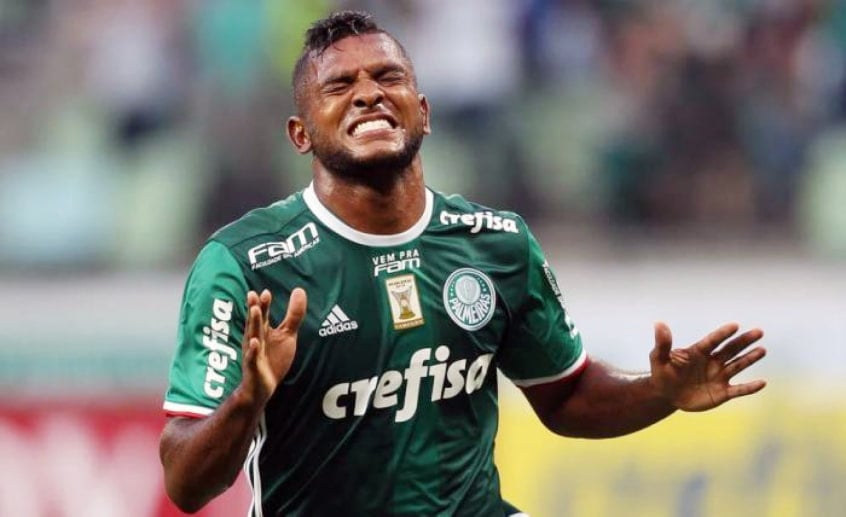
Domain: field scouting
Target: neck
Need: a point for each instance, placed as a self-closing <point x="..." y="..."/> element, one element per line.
<point x="386" y="205"/>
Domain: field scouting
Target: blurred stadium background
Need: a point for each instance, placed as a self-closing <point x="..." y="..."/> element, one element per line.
<point x="680" y="160"/>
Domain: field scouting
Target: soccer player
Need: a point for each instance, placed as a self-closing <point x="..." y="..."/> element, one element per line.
<point x="342" y="344"/>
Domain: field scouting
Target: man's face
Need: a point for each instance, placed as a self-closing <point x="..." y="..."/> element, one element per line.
<point x="361" y="111"/>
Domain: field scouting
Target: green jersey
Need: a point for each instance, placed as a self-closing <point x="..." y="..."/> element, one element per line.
<point x="390" y="406"/>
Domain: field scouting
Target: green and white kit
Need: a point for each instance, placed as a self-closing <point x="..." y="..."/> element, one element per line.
<point x="390" y="406"/>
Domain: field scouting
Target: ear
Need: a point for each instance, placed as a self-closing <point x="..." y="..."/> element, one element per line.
<point x="424" y="110"/>
<point x="298" y="135"/>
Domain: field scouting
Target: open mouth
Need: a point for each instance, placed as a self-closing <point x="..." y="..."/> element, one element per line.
<point x="367" y="126"/>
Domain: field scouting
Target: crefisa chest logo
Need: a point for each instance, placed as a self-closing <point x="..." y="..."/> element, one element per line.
<point x="469" y="298"/>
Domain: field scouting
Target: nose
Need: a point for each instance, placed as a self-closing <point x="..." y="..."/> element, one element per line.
<point x="367" y="94"/>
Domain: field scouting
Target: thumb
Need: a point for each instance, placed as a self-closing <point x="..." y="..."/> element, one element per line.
<point x="663" y="342"/>
<point x="296" y="310"/>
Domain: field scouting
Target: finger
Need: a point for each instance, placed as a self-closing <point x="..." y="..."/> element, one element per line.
<point x="296" y="310"/>
<point x="707" y="344"/>
<point x="663" y="342"/>
<point x="747" y="388"/>
<point x="744" y="361"/>
<point x="264" y="302"/>
<point x="254" y="324"/>
<point x="250" y="353"/>
<point x="737" y="345"/>
<point x="252" y="299"/>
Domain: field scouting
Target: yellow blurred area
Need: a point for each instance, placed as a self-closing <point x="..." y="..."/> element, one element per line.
<point x="772" y="455"/>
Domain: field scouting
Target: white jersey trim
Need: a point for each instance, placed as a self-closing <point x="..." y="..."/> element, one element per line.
<point x="525" y="383"/>
<point x="176" y="407"/>
<point x="251" y="469"/>
<point x="368" y="239"/>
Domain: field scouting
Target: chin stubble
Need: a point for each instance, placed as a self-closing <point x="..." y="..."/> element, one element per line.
<point x="342" y="163"/>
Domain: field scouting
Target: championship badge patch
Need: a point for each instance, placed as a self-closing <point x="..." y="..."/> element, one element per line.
<point x="405" y="302"/>
<point x="469" y="298"/>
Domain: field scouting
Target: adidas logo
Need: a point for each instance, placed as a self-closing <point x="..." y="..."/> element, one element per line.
<point x="336" y="322"/>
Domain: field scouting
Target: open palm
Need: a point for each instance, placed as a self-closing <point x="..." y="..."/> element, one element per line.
<point x="697" y="378"/>
<point x="269" y="351"/>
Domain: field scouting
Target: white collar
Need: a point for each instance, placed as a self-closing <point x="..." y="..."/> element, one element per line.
<point x="367" y="239"/>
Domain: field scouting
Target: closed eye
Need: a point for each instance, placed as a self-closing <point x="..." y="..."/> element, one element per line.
<point x="335" y="87"/>
<point x="337" y="84"/>
<point x="391" y="76"/>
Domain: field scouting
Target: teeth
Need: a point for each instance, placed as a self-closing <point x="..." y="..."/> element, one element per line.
<point x="371" y="125"/>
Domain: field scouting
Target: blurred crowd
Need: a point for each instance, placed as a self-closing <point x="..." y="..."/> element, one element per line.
<point x="131" y="129"/>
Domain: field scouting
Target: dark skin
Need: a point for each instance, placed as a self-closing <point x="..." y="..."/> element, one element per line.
<point x="604" y="402"/>
<point x="367" y="79"/>
<point x="358" y="79"/>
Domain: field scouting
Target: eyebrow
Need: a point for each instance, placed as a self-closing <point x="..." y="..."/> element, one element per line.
<point x="384" y="69"/>
<point x="348" y="77"/>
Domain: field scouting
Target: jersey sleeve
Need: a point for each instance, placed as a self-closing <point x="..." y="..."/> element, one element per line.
<point x="206" y="366"/>
<point x="543" y="345"/>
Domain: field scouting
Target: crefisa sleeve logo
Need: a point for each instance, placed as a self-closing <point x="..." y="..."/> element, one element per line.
<point x="469" y="298"/>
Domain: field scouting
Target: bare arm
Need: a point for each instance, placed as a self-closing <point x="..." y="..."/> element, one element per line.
<point x="601" y="403"/>
<point x="201" y="457"/>
<point x="604" y="402"/>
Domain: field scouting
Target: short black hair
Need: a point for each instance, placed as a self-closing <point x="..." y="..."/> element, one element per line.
<point x="326" y="32"/>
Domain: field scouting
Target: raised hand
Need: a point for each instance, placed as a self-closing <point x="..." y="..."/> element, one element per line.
<point x="269" y="351"/>
<point x="697" y="378"/>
